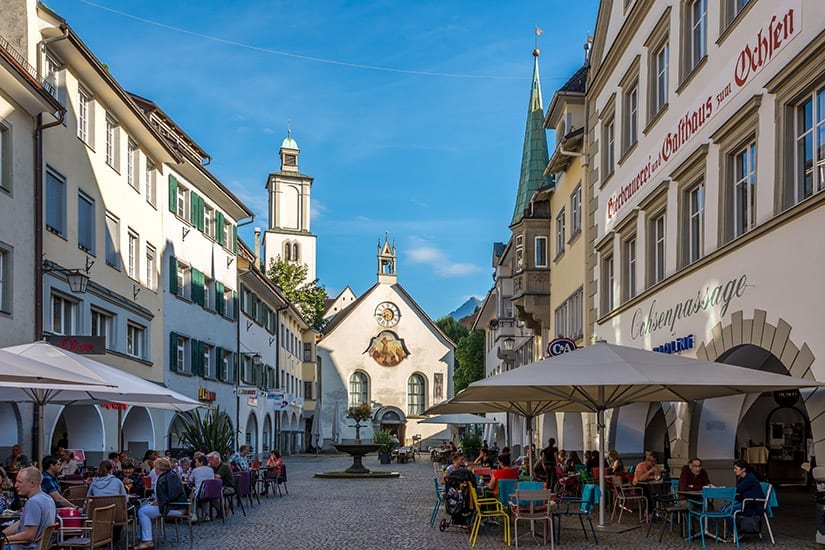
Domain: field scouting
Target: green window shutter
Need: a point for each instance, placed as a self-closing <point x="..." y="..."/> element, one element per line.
<point x="200" y="214"/>
<point x="235" y="362"/>
<point x="194" y="201"/>
<point x="220" y="307"/>
<point x="219" y="364"/>
<point x="235" y="239"/>
<point x="234" y="304"/>
<point x="173" y="275"/>
<point x="197" y="286"/>
<point x="197" y="358"/>
<point x="173" y="194"/>
<point x="219" y="227"/>
<point x="173" y="352"/>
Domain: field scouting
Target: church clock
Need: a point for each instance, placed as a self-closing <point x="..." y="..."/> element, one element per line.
<point x="387" y="314"/>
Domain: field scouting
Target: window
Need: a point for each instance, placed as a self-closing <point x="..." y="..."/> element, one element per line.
<point x="112" y="241"/>
<point x="227" y="235"/>
<point x="55" y="203"/>
<point x="731" y="9"/>
<point x="132" y="175"/>
<point x="208" y="293"/>
<point x="519" y="252"/>
<point x="183" y="202"/>
<point x="150" y="183"/>
<point x="631" y="115"/>
<point x="208" y="221"/>
<point x="151" y="267"/>
<point x="415" y="395"/>
<point x="5" y="280"/>
<point x="698" y="32"/>
<point x="657" y="247"/>
<point x="184" y="276"/>
<point x="744" y="189"/>
<point x="660" y="78"/>
<point x="607" y="284"/>
<point x="629" y="264"/>
<point x="696" y="222"/>
<point x="560" y="240"/>
<point x="103" y="325"/>
<point x="541" y="251"/>
<point x="134" y="250"/>
<point x="307" y="352"/>
<point x="135" y="336"/>
<point x="358" y="388"/>
<point x="609" y="140"/>
<point x="229" y="305"/>
<point x="86" y="223"/>
<point x="5" y="161"/>
<point x="568" y="316"/>
<point x="64" y="315"/>
<point x="54" y="76"/>
<point x="85" y="111"/>
<point x="576" y="211"/>
<point x="180" y="356"/>
<point x="112" y="143"/>
<point x="228" y="373"/>
<point x="810" y="145"/>
<point x="207" y="363"/>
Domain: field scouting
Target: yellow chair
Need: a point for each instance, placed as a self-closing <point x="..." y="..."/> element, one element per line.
<point x="487" y="508"/>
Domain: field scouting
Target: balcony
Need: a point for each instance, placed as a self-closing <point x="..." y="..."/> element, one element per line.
<point x="16" y="58"/>
<point x="531" y="298"/>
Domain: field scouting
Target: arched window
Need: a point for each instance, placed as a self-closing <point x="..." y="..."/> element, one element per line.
<point x="415" y="395"/>
<point x="359" y="388"/>
<point x="287" y="252"/>
<point x="295" y="255"/>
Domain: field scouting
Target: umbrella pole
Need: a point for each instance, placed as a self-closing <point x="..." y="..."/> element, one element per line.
<point x="600" y="425"/>
<point x="530" y="444"/>
<point x="40" y="435"/>
<point x="120" y="429"/>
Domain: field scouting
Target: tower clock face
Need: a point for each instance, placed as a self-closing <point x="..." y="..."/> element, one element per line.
<point x="387" y="314"/>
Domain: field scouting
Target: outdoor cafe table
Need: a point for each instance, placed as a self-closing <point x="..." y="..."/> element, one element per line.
<point x="652" y="489"/>
<point x="695" y="499"/>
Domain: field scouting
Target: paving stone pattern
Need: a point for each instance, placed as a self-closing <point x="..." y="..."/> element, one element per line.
<point x="393" y="514"/>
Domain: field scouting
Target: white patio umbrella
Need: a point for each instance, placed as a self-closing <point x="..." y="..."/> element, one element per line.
<point x="458" y="419"/>
<point x="317" y="438"/>
<point x="335" y="424"/>
<point x="604" y="376"/>
<point x="20" y="371"/>
<point x="116" y="385"/>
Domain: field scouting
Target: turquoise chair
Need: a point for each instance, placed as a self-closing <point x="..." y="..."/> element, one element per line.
<point x="439" y="500"/>
<point x="722" y="511"/>
<point x="530" y="485"/>
<point x="506" y="487"/>
<point x="581" y="508"/>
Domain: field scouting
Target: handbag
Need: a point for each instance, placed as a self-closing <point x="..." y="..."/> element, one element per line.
<point x="749" y="524"/>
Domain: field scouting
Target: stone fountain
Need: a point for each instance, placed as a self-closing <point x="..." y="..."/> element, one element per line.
<point x="357" y="451"/>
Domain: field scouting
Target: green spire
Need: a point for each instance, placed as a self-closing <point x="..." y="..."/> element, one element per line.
<point x="534" y="155"/>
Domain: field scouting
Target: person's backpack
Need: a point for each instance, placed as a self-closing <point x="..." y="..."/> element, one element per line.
<point x="749" y="525"/>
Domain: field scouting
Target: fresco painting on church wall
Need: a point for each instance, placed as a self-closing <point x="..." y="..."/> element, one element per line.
<point x="387" y="349"/>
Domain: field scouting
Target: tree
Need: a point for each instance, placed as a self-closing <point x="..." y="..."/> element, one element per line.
<point x="470" y="358"/>
<point x="452" y="328"/>
<point x="307" y="296"/>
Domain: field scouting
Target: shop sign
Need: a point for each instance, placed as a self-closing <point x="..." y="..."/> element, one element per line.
<point x="677" y="345"/>
<point x="206" y="395"/>
<point x="752" y="57"/>
<point x="279" y="400"/>
<point x="246" y="391"/>
<point x="786" y="398"/>
<point x="115" y="406"/>
<point x="559" y="346"/>
<point x="252" y="401"/>
<point x="715" y="295"/>
<point x="82" y="345"/>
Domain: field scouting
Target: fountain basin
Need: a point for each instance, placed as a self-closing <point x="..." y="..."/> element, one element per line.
<point x="357" y="452"/>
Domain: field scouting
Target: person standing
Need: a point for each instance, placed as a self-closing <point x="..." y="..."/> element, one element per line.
<point x="38" y="513"/>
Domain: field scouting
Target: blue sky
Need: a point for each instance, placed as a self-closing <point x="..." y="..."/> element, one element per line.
<point x="428" y="150"/>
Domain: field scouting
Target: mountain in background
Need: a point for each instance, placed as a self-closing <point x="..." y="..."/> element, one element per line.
<point x="466" y="309"/>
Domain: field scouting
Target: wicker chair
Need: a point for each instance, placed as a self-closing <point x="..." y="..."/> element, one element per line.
<point x="99" y="528"/>
<point x="122" y="518"/>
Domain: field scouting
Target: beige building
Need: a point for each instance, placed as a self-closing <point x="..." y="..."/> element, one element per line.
<point x="705" y="150"/>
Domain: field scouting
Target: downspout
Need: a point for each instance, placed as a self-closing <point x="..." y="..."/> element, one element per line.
<point x="278" y="311"/>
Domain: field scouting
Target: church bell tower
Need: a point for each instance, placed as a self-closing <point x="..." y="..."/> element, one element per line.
<point x="387" y="273"/>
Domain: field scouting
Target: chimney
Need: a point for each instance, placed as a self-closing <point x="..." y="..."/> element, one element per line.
<point x="257" y="250"/>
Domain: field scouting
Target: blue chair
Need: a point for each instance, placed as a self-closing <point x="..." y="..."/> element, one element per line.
<point x="724" y="497"/>
<point x="506" y="487"/>
<point x="674" y="486"/>
<point x="581" y="508"/>
<point x="439" y="500"/>
<point x="530" y="485"/>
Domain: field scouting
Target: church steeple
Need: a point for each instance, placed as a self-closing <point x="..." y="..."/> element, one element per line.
<point x="534" y="155"/>
<point x="387" y="273"/>
<point x="289" y="153"/>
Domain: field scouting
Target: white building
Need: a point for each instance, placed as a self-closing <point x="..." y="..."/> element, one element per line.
<point x="385" y="351"/>
<point x="706" y="153"/>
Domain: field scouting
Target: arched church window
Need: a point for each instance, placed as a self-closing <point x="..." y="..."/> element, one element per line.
<point x="295" y="253"/>
<point x="358" y="388"/>
<point x="415" y="395"/>
<point x="287" y="252"/>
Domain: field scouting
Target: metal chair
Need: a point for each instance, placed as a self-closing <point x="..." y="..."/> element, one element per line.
<point x="486" y="508"/>
<point x="176" y="512"/>
<point x="722" y="510"/>
<point x="439" y="500"/>
<point x="236" y="497"/>
<point x="76" y="494"/>
<point x="211" y="492"/>
<point x="281" y="480"/>
<point x="100" y="529"/>
<point x="243" y="488"/>
<point x="668" y="507"/>
<point x="626" y="496"/>
<point x="766" y="504"/>
<point x="581" y="508"/>
<point x="532" y="506"/>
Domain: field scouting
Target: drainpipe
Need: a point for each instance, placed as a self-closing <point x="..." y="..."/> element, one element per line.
<point x="278" y="370"/>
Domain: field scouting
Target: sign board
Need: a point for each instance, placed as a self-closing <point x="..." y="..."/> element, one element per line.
<point x="252" y="401"/>
<point x="279" y="400"/>
<point x="206" y="395"/>
<point x="83" y="345"/>
<point x="246" y="391"/>
<point x="559" y="346"/>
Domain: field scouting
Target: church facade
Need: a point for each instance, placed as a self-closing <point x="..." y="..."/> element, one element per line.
<point x="383" y="349"/>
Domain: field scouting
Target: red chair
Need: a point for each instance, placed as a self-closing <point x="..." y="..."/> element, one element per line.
<point x="567" y="485"/>
<point x="147" y="484"/>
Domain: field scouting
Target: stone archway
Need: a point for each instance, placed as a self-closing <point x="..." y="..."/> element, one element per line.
<point x="138" y="431"/>
<point x="572" y="432"/>
<point x="796" y="359"/>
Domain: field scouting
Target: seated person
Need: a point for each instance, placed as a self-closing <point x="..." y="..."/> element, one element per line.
<point x="105" y="483"/>
<point x="458" y="464"/>
<point x="693" y="476"/>
<point x="572" y="461"/>
<point x="484" y="459"/>
<point x="539" y="472"/>
<point x="222" y="472"/>
<point x="68" y="465"/>
<point x="132" y="480"/>
<point x="614" y="463"/>
<point x="747" y="486"/>
<point x="593" y="461"/>
<point x="504" y="471"/>
<point x="38" y="513"/>
<point x="49" y="484"/>
<point x="169" y="490"/>
<point x="505" y="452"/>
<point x="647" y="470"/>
<point x="200" y="473"/>
<point x="17" y="461"/>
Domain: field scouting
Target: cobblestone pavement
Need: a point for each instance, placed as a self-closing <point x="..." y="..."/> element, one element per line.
<point x="390" y="514"/>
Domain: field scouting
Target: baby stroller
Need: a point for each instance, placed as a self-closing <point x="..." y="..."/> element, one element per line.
<point x="457" y="487"/>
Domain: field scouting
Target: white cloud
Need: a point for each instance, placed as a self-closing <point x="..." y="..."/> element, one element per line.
<point x="424" y="253"/>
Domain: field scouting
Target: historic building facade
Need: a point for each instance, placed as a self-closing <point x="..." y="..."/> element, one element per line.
<point x="705" y="145"/>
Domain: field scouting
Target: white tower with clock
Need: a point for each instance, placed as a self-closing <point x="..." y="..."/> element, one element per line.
<point x="288" y="234"/>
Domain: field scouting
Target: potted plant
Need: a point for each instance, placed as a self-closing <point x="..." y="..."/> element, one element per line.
<point x="471" y="445"/>
<point x="359" y="413"/>
<point x="387" y="442"/>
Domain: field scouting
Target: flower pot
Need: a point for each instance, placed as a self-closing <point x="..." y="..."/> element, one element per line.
<point x="384" y="458"/>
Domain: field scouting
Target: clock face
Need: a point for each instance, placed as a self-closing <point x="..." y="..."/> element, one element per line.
<point x="387" y="314"/>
